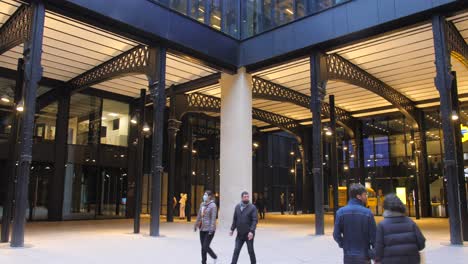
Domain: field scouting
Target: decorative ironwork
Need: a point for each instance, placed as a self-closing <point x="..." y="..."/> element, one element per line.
<point x="456" y="44"/>
<point x="280" y="121"/>
<point x="268" y="90"/>
<point x="197" y="102"/>
<point x="341" y="69"/>
<point x="134" y="61"/>
<point x="17" y="29"/>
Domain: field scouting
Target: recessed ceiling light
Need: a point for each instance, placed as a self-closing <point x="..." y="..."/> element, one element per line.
<point x="113" y="114"/>
<point x="5" y="99"/>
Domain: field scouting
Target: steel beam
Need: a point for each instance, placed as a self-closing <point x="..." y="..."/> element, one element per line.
<point x="318" y="84"/>
<point x="133" y="61"/>
<point x="157" y="86"/>
<point x="17" y="29"/>
<point x="140" y="146"/>
<point x="443" y="82"/>
<point x="333" y="155"/>
<point x="13" y="154"/>
<point x="456" y="43"/>
<point x="32" y="75"/>
<point x="338" y="68"/>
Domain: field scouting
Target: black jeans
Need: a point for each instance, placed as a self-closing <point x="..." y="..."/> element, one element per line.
<point x="205" y="241"/>
<point x="356" y="260"/>
<point x="261" y="212"/>
<point x="250" y="247"/>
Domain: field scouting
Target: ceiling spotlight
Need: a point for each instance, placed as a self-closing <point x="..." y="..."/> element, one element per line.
<point x="298" y="160"/>
<point x="146" y="128"/>
<point x="292" y="170"/>
<point x="454" y="116"/>
<point x="5" y="99"/>
<point x="20" y="106"/>
<point x="411" y="142"/>
<point x="194" y="151"/>
<point x="345" y="148"/>
<point x="292" y="153"/>
<point x="345" y="168"/>
<point x="328" y="133"/>
<point x="185" y="146"/>
<point x="134" y="120"/>
<point x="256" y="145"/>
<point x="113" y="114"/>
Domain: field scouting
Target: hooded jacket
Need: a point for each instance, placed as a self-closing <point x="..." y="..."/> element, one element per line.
<point x="399" y="240"/>
<point x="206" y="218"/>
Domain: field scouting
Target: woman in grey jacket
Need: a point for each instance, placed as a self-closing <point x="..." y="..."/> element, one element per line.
<point x="399" y="239"/>
<point x="206" y="222"/>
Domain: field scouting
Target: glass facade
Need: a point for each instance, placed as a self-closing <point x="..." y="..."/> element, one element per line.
<point x="246" y="18"/>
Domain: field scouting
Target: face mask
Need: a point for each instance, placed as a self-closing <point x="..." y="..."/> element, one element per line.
<point x="205" y="198"/>
<point x="246" y="202"/>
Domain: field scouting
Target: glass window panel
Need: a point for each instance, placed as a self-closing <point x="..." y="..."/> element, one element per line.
<point x="198" y="10"/>
<point x="215" y="14"/>
<point x="45" y="123"/>
<point x="230" y="19"/>
<point x="179" y="5"/>
<point x="84" y="121"/>
<point x="115" y="123"/>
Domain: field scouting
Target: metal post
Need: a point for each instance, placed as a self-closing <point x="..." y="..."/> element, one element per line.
<point x="359" y="154"/>
<point x="317" y="88"/>
<point x="188" y="170"/>
<point x="13" y="154"/>
<point x="443" y="82"/>
<point x="56" y="185"/>
<point x="32" y="75"/>
<point x="173" y="128"/>
<point x="460" y="161"/>
<point x="333" y="154"/>
<point x="423" y="168"/>
<point x="139" y="161"/>
<point x="157" y="80"/>
<point x="417" y="207"/>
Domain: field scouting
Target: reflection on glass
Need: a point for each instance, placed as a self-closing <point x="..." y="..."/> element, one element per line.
<point x="252" y="16"/>
<point x="84" y="121"/>
<point x="115" y="123"/>
<point x="45" y="122"/>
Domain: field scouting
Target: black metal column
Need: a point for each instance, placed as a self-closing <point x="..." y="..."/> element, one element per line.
<point x="417" y="198"/>
<point x="333" y="154"/>
<point x="157" y="80"/>
<point x="140" y="147"/>
<point x="32" y="75"/>
<point x="423" y="168"/>
<point x="13" y="154"/>
<point x="318" y="92"/>
<point x="173" y="128"/>
<point x="359" y="154"/>
<point x="56" y="184"/>
<point x="443" y="82"/>
<point x="188" y="168"/>
<point x="460" y="160"/>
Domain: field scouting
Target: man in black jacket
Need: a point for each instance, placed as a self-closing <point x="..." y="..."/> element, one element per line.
<point x="245" y="221"/>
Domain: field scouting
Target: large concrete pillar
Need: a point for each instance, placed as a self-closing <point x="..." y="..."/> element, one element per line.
<point x="236" y="142"/>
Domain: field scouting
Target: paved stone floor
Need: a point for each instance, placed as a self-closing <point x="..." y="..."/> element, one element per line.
<point x="280" y="240"/>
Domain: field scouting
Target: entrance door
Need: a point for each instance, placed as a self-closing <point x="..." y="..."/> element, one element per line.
<point x="112" y="192"/>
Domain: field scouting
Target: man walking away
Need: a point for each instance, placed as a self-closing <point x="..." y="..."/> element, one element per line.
<point x="355" y="228"/>
<point x="245" y="221"/>
<point x="261" y="206"/>
<point x="399" y="239"/>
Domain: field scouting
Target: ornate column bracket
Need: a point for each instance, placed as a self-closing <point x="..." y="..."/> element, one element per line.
<point x="134" y="61"/>
<point x="17" y="29"/>
<point x="197" y="102"/>
<point x="456" y="44"/>
<point x="338" y="68"/>
<point x="268" y="90"/>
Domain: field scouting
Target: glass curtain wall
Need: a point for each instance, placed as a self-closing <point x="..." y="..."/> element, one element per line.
<point x="96" y="174"/>
<point x="253" y="16"/>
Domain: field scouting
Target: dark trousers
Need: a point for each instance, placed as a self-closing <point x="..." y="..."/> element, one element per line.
<point x="356" y="260"/>
<point x="261" y="212"/>
<point x="282" y="209"/>
<point x="205" y="241"/>
<point x="240" y="240"/>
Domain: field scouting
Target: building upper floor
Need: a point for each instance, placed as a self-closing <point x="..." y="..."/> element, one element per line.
<point x="252" y="33"/>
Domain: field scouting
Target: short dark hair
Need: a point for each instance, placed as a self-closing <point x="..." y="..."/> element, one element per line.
<point x="209" y="193"/>
<point x="356" y="189"/>
<point x="393" y="203"/>
<point x="244" y="193"/>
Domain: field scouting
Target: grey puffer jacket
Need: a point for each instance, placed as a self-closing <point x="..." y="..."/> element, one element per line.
<point x="399" y="240"/>
<point x="206" y="218"/>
